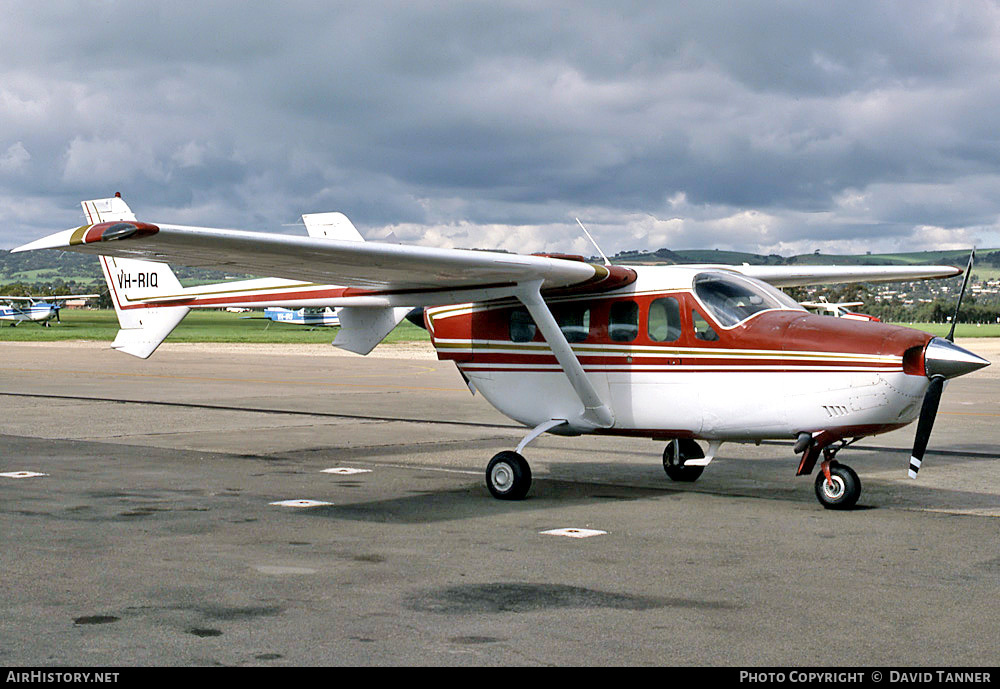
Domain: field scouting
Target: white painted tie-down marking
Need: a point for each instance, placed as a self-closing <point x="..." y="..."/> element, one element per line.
<point x="300" y="503"/>
<point x="345" y="471"/>
<point x="21" y="474"/>
<point x="574" y="533"/>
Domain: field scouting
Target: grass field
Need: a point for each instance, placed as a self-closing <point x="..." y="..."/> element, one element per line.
<point x="962" y="330"/>
<point x="222" y="326"/>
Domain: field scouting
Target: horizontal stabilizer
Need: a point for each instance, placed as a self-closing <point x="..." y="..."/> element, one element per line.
<point x="362" y="328"/>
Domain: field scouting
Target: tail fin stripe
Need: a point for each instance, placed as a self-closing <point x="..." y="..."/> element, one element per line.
<point x="111" y="283"/>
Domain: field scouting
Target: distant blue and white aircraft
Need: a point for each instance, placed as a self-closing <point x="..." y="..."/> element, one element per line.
<point x="313" y="317"/>
<point x="36" y="310"/>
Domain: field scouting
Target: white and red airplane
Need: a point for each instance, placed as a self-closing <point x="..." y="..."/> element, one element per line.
<point x="675" y="353"/>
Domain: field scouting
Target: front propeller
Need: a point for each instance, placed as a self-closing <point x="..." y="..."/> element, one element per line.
<point x="928" y="412"/>
<point x="943" y="359"/>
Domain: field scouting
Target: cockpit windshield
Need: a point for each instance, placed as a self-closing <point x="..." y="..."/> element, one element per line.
<point x="732" y="299"/>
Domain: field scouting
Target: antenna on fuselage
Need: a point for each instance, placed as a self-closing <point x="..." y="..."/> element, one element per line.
<point x="606" y="261"/>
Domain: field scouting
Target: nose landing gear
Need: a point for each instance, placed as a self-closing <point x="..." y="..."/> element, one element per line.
<point x="837" y="486"/>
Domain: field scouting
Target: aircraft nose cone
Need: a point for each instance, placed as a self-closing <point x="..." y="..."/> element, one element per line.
<point x="948" y="360"/>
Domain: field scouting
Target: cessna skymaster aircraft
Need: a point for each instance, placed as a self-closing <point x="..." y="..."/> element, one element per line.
<point x="673" y="353"/>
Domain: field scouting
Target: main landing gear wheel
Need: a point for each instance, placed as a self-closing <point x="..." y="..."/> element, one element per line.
<point x="508" y="476"/>
<point x="843" y="490"/>
<point x="673" y="461"/>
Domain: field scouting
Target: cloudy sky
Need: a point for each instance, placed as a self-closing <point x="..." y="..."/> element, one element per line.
<point x="759" y="126"/>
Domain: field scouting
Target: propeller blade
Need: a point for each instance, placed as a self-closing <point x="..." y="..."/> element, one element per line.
<point x="954" y="319"/>
<point x="928" y="412"/>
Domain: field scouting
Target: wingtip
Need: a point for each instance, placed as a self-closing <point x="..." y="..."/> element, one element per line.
<point x="59" y="240"/>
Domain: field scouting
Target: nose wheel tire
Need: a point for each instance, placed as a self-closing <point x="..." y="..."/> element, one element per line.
<point x="674" y="456"/>
<point x="843" y="489"/>
<point x="508" y="476"/>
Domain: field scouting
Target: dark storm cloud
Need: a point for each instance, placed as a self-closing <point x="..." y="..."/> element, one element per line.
<point x="765" y="126"/>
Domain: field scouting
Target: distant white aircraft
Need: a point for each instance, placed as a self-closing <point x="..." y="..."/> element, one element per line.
<point x="673" y="353"/>
<point x="838" y="309"/>
<point x="38" y="309"/>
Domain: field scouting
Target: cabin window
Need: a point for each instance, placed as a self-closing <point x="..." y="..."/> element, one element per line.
<point x="664" y="323"/>
<point x="702" y="329"/>
<point x="623" y="322"/>
<point x="522" y="327"/>
<point x="574" y="321"/>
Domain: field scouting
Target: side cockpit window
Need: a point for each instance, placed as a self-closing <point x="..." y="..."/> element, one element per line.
<point x="702" y="329"/>
<point x="664" y="323"/>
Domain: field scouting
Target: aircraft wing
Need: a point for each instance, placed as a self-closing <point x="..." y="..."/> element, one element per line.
<point x="797" y="276"/>
<point x="397" y="269"/>
<point x="373" y="268"/>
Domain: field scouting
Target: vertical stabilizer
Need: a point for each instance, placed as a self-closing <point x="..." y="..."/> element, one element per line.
<point x="107" y="210"/>
<point x="362" y="327"/>
<point x="131" y="283"/>
<point x="331" y="226"/>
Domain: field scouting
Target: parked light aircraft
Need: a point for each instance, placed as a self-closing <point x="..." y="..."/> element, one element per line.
<point x="838" y="309"/>
<point x="310" y="317"/>
<point x="38" y="309"/>
<point x="673" y="353"/>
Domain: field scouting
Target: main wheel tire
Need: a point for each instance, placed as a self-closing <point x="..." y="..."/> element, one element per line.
<point x="508" y="476"/>
<point x="673" y="462"/>
<point x="843" y="491"/>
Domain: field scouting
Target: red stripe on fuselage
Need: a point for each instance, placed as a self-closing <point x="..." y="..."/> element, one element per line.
<point x="693" y="359"/>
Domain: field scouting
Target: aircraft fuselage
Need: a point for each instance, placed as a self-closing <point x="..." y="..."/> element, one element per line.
<point x="39" y="313"/>
<point x="657" y="352"/>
